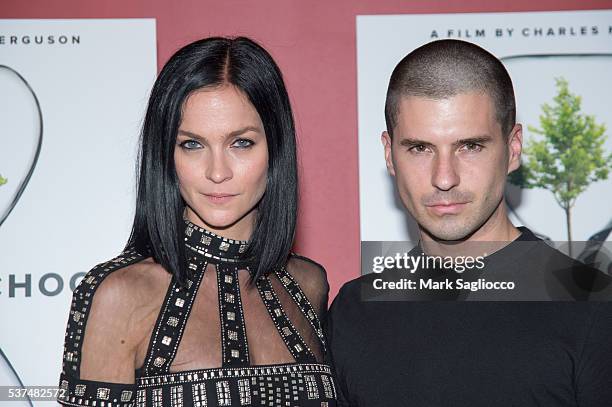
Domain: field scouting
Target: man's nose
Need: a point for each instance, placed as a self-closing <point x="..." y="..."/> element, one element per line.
<point x="444" y="176"/>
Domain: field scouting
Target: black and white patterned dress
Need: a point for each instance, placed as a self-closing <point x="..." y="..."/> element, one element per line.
<point x="290" y="319"/>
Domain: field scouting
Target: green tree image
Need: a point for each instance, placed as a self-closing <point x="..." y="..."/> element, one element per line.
<point x="2" y="180"/>
<point x="568" y="156"/>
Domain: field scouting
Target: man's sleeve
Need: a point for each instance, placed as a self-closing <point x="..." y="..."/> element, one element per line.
<point x="594" y="368"/>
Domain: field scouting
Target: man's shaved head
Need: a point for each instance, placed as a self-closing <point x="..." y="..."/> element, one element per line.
<point x="445" y="68"/>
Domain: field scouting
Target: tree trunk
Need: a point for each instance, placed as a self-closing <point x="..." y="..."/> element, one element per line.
<point x="568" y="219"/>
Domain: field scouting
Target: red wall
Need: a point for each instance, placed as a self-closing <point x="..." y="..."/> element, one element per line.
<point x="313" y="41"/>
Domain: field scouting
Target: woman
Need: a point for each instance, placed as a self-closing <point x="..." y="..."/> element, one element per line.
<point x="206" y="306"/>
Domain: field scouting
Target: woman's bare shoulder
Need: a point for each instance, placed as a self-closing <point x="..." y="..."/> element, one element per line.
<point x="123" y="310"/>
<point x="135" y="282"/>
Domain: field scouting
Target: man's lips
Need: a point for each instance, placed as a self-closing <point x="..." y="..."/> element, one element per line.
<point x="443" y="208"/>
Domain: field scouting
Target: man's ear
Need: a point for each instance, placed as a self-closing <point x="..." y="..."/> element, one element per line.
<point x="386" y="140"/>
<point x="515" y="147"/>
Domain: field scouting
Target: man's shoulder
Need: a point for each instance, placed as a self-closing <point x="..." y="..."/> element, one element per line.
<point x="357" y="296"/>
<point x="581" y="280"/>
<point x="351" y="290"/>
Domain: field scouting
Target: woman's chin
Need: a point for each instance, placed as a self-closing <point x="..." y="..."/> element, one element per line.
<point x="220" y="225"/>
<point x="217" y="223"/>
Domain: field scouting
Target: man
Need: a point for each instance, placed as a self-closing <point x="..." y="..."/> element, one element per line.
<point x="451" y="140"/>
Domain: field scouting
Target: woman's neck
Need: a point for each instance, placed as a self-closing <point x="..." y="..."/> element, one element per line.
<point x="240" y="230"/>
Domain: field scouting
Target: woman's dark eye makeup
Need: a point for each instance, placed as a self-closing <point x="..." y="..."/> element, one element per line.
<point x="190" y="144"/>
<point x="238" y="143"/>
<point x="243" y="143"/>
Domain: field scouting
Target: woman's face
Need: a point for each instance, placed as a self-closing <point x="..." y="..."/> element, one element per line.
<point x="221" y="158"/>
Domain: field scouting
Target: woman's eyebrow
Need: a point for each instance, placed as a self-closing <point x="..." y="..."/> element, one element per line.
<point x="231" y="134"/>
<point x="244" y="130"/>
<point x="190" y="134"/>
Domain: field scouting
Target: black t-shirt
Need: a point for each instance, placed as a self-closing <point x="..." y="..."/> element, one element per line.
<point x="461" y="353"/>
<point x="534" y="270"/>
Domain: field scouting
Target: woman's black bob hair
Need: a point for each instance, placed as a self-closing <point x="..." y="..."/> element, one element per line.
<point x="158" y="221"/>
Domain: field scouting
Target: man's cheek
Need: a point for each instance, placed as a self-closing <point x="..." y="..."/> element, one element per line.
<point x="409" y="195"/>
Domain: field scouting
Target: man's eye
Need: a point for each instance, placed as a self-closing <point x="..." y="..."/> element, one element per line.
<point x="190" y="145"/>
<point x="419" y="148"/>
<point x="473" y="147"/>
<point x="243" y="143"/>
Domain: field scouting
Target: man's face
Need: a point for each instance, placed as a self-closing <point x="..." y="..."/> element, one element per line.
<point x="450" y="162"/>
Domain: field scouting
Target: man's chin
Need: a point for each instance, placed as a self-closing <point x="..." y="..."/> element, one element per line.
<point x="449" y="233"/>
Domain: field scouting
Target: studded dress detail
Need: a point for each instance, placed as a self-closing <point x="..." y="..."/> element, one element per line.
<point x="303" y="381"/>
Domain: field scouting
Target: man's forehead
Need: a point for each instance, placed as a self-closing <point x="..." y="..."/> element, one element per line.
<point x="469" y="114"/>
<point x="474" y="97"/>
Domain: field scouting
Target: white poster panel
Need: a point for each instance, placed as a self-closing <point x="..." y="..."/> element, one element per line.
<point x="536" y="48"/>
<point x="72" y="98"/>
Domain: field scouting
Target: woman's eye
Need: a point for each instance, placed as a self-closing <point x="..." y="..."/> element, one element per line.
<point x="190" y="145"/>
<point x="243" y="143"/>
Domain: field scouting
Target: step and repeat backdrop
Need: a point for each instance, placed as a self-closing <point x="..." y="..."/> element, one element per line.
<point x="544" y="52"/>
<point x="72" y="98"/>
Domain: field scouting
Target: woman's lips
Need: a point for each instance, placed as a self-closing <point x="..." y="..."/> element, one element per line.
<point x="447" y="208"/>
<point x="219" y="198"/>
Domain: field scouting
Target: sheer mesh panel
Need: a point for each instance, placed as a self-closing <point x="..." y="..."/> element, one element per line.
<point x="130" y="333"/>
<point x="298" y="319"/>
<point x="265" y="343"/>
<point x="200" y="346"/>
<point x="120" y="322"/>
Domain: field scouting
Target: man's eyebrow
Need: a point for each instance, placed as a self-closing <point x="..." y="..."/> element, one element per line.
<point x="410" y="142"/>
<point x="474" y="140"/>
<point x="231" y="134"/>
